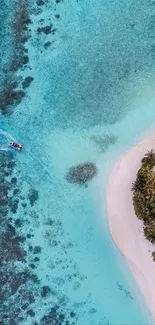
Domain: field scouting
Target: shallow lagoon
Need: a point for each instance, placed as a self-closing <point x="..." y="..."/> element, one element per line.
<point x="92" y="97"/>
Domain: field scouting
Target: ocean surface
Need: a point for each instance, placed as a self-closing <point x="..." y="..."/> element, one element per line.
<point x="91" y="98"/>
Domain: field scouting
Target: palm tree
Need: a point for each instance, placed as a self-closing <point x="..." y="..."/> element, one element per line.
<point x="149" y="158"/>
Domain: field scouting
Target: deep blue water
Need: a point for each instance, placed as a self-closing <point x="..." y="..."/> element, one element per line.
<point x="92" y="97"/>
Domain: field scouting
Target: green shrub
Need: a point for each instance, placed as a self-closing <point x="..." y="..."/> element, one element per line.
<point x="153" y="256"/>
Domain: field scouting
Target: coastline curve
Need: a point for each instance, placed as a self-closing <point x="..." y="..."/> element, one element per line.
<point x="126" y="229"/>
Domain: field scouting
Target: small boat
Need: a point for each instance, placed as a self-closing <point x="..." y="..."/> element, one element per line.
<point x="16" y="145"/>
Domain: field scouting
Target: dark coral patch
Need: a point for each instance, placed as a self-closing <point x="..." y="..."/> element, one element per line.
<point x="72" y="314"/>
<point x="20" y="285"/>
<point x="82" y="173"/>
<point x="45" y="290"/>
<point x="24" y="205"/>
<point x="57" y="317"/>
<point x="47" y="44"/>
<point x="30" y="248"/>
<point x="18" y="280"/>
<point x="54" y="30"/>
<point x="11" y="246"/>
<point x="13" y="180"/>
<point x="46" y="30"/>
<point x="27" y="81"/>
<point x="33" y="196"/>
<point x="18" y="62"/>
<point x="28" y="235"/>
<point x="4" y="188"/>
<point x="18" y="223"/>
<point x="14" y="207"/>
<point x="25" y="306"/>
<point x="16" y="286"/>
<point x="37" y="250"/>
<point x="13" y="204"/>
<point x="54" y="317"/>
<point x="11" y="164"/>
<point x="31" y="313"/>
<point x="9" y="96"/>
<point x="32" y="266"/>
<point x="15" y="191"/>
<point x="20" y="27"/>
<point x="3" y="201"/>
<point x="57" y="16"/>
<point x="40" y="2"/>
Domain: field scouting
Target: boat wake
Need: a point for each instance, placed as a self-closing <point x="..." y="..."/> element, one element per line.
<point x="5" y="139"/>
<point x="42" y="164"/>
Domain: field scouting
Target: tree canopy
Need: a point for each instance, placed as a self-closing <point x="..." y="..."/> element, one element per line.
<point x="144" y="195"/>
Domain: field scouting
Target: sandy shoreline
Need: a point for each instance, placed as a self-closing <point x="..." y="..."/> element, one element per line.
<point x="126" y="229"/>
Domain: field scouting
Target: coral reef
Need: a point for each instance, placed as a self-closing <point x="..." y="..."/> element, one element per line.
<point x="11" y="94"/>
<point x="82" y="173"/>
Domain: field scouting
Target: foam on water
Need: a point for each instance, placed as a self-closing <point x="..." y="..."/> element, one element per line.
<point x="92" y="96"/>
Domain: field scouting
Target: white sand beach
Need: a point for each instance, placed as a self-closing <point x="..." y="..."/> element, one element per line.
<point x="125" y="227"/>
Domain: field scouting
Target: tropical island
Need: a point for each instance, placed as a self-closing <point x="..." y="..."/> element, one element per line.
<point x="144" y="195"/>
<point x="131" y="213"/>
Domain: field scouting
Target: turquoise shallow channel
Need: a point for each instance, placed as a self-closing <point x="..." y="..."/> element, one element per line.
<point x="77" y="85"/>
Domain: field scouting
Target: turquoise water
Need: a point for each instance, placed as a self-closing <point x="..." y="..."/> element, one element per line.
<point x="91" y="99"/>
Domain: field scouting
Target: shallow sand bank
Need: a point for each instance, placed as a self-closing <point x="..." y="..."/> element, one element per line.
<point x="125" y="227"/>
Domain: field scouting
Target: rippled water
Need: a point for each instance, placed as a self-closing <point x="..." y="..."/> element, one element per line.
<point x="92" y="97"/>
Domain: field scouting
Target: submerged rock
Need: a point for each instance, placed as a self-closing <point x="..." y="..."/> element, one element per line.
<point x="82" y="173"/>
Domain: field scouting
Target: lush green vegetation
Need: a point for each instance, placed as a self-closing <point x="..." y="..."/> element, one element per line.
<point x="144" y="196"/>
<point x="153" y="256"/>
